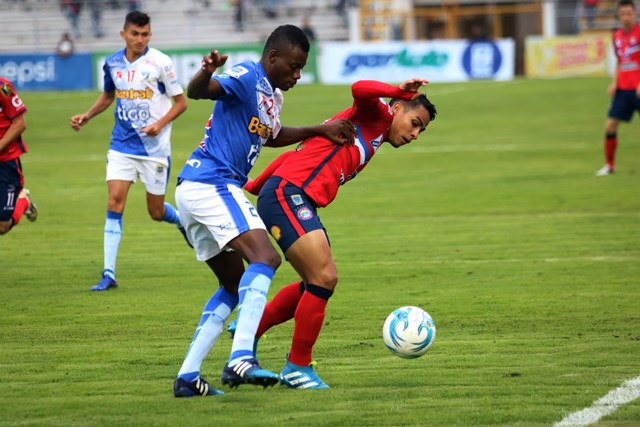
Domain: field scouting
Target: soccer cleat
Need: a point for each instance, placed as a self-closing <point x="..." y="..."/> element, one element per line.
<point x="199" y="387"/>
<point x="248" y="371"/>
<point x="32" y="210"/>
<point x="605" y="170"/>
<point x="106" y="283"/>
<point x="184" y="234"/>
<point x="294" y="376"/>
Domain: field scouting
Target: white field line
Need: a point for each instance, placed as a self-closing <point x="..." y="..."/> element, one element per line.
<point x="627" y="392"/>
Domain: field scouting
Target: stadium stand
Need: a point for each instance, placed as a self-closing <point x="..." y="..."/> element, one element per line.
<point x="37" y="25"/>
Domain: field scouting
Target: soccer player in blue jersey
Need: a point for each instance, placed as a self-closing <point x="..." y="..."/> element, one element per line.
<point x="219" y="220"/>
<point x="143" y="83"/>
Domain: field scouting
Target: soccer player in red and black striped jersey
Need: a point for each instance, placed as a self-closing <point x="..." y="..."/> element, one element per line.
<point x="15" y="200"/>
<point x="299" y="182"/>
<point x="625" y="87"/>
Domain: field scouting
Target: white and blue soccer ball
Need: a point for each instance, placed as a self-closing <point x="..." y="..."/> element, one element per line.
<point x="409" y="332"/>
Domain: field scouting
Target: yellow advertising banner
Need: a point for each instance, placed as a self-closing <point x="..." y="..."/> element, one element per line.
<point x="567" y="56"/>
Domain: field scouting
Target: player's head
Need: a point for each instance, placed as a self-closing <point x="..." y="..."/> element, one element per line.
<point x="410" y="119"/>
<point x="285" y="55"/>
<point x="136" y="32"/>
<point x="627" y="14"/>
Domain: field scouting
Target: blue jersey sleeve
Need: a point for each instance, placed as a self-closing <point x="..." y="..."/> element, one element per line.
<point x="109" y="85"/>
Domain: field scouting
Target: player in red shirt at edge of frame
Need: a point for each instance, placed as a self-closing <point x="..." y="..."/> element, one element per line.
<point x="12" y="146"/>
<point x="298" y="182"/>
<point x="625" y="87"/>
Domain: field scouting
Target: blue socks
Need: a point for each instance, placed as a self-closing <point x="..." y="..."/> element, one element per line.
<point x="112" y="236"/>
<point x="171" y="215"/>
<point x="252" y="291"/>
<point x="215" y="313"/>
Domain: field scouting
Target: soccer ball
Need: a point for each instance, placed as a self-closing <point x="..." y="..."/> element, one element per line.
<point x="409" y="332"/>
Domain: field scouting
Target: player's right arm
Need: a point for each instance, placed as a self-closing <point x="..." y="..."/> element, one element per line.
<point x="18" y="126"/>
<point x="202" y="86"/>
<point x="102" y="103"/>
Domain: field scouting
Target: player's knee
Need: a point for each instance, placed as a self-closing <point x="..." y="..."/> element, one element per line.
<point x="156" y="214"/>
<point x="5" y="227"/>
<point x="273" y="259"/>
<point x="329" y="279"/>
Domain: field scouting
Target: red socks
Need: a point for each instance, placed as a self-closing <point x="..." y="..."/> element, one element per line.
<point x="610" y="145"/>
<point x="281" y="308"/>
<point x="309" y="317"/>
<point x="21" y="206"/>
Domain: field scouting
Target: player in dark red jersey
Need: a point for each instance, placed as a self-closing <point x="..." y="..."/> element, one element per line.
<point x="15" y="200"/>
<point x="300" y="181"/>
<point x="625" y="87"/>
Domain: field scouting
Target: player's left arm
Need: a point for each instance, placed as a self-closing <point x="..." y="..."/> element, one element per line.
<point x="179" y="106"/>
<point x="366" y="93"/>
<point x="18" y="126"/>
<point x="340" y="131"/>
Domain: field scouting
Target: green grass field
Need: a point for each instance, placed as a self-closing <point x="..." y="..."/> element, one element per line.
<point x="493" y="222"/>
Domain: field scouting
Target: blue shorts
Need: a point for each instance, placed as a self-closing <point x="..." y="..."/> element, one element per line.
<point x="287" y="212"/>
<point x="623" y="104"/>
<point x="11" y="182"/>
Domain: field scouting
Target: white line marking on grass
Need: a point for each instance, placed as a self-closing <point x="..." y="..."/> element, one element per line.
<point x="627" y="392"/>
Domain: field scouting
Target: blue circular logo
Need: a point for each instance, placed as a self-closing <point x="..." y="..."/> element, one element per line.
<point x="481" y="60"/>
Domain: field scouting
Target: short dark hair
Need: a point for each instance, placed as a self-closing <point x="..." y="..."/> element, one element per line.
<point x="286" y="37"/>
<point x="137" y="18"/>
<point x="626" y="3"/>
<point x="419" y="101"/>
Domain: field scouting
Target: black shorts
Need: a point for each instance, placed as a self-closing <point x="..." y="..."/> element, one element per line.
<point x="287" y="212"/>
<point x="11" y="182"/>
<point x="623" y="104"/>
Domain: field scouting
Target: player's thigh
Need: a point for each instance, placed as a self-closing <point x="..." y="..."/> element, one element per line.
<point x="154" y="174"/>
<point x="288" y="213"/>
<point x="213" y="215"/>
<point x="311" y="257"/>
<point x="120" y="167"/>
<point x="623" y="105"/>
<point x="228" y="268"/>
<point x="11" y="183"/>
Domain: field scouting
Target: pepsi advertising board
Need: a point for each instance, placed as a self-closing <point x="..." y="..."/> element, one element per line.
<point x="48" y="71"/>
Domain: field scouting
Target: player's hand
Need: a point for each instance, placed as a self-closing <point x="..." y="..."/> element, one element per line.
<point x="412" y="85"/>
<point x="78" y="121"/>
<point x="213" y="61"/>
<point x="152" y="130"/>
<point x="340" y="131"/>
<point x="611" y="90"/>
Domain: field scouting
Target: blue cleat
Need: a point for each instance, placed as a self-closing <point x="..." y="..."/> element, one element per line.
<point x="248" y="371"/>
<point x="199" y="387"/>
<point x="106" y="283"/>
<point x="294" y="376"/>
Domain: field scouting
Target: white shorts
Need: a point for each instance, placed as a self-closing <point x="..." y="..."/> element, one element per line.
<point x="213" y="215"/>
<point x="154" y="173"/>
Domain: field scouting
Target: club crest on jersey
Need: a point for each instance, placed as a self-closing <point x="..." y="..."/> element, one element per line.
<point x="297" y="199"/>
<point x="275" y="232"/>
<point x="304" y="214"/>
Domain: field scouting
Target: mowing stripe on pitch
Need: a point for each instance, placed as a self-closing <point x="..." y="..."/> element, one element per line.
<point x="627" y="392"/>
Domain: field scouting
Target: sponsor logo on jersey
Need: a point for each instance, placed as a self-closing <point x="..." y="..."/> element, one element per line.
<point x="134" y="93"/>
<point x="16" y="101"/>
<point x="275" y="232"/>
<point x="305" y="214"/>
<point x="260" y="129"/>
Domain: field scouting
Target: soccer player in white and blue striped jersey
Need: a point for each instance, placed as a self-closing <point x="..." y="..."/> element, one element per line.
<point x="220" y="222"/>
<point x="148" y="98"/>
